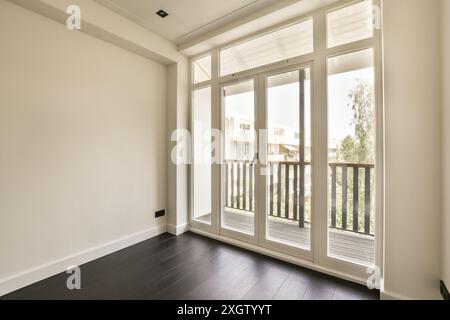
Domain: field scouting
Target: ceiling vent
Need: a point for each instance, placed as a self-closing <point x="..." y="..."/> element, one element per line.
<point x="162" y="14"/>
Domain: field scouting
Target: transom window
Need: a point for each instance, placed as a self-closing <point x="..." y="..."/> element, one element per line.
<point x="350" y="24"/>
<point x="288" y="42"/>
<point x="201" y="69"/>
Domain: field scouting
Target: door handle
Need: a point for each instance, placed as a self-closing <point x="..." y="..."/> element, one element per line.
<point x="255" y="159"/>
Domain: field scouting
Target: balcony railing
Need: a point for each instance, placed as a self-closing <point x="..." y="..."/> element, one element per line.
<point x="350" y="189"/>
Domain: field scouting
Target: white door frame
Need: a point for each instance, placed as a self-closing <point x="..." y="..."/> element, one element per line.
<point x="253" y="239"/>
<point x="262" y="188"/>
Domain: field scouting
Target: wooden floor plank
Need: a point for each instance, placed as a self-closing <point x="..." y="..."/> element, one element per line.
<point x="294" y="288"/>
<point x="192" y="267"/>
<point x="272" y="278"/>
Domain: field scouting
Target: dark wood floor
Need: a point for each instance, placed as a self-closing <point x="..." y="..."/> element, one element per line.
<point x="194" y="267"/>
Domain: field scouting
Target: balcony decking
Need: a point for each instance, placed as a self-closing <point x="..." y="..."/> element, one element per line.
<point x="350" y="246"/>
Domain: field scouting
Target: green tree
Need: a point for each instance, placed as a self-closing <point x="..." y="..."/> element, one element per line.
<point x="347" y="150"/>
<point x="359" y="148"/>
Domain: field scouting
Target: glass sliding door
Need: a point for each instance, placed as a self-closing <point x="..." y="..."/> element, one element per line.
<point x="238" y="180"/>
<point x="351" y="157"/>
<point x="288" y="190"/>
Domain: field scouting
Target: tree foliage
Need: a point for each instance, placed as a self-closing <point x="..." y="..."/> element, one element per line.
<point x="359" y="148"/>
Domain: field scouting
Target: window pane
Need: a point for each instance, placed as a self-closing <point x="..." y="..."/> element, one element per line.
<point x="289" y="153"/>
<point x="239" y="150"/>
<point x="350" y="24"/>
<point x="202" y="69"/>
<point x="201" y="113"/>
<point x="351" y="157"/>
<point x="276" y="46"/>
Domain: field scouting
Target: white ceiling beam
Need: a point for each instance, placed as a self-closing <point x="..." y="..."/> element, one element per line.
<point x="108" y="26"/>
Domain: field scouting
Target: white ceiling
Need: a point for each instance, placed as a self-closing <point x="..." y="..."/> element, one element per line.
<point x="187" y="18"/>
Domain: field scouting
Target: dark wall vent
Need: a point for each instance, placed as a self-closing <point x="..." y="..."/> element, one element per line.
<point x="160" y="214"/>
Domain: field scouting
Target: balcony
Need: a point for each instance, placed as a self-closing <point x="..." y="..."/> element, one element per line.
<point x="351" y="212"/>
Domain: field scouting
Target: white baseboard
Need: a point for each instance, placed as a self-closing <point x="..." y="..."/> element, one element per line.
<point x="178" y="230"/>
<point x="52" y="268"/>
<point x="386" y="295"/>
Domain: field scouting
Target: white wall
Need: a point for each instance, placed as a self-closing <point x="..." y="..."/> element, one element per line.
<point x="177" y="118"/>
<point x="172" y="205"/>
<point x="446" y="142"/>
<point x="183" y="116"/>
<point x="105" y="24"/>
<point x="413" y="148"/>
<point x="82" y="153"/>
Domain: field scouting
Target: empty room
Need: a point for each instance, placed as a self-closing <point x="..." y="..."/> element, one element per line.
<point x="207" y="150"/>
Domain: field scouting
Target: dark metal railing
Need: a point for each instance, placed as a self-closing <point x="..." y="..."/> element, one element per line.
<point x="360" y="223"/>
<point x="288" y="198"/>
<point x="239" y="193"/>
<point x="281" y="195"/>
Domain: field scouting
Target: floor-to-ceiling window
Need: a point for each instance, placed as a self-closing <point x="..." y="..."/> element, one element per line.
<point x="238" y="212"/>
<point x="300" y="114"/>
<point x="351" y="136"/>
<point x="289" y="195"/>
<point x="351" y="156"/>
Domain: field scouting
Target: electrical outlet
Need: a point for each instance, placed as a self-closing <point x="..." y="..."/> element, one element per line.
<point x="160" y="214"/>
<point x="444" y="291"/>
